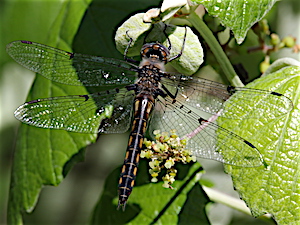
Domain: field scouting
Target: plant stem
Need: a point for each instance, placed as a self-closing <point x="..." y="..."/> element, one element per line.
<point x="234" y="203"/>
<point x="215" y="47"/>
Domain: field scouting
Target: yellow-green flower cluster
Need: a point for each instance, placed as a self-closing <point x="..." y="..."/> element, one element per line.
<point x="164" y="152"/>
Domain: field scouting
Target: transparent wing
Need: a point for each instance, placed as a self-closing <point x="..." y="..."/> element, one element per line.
<point x="211" y="142"/>
<point x="241" y="103"/>
<point x="71" y="68"/>
<point x="104" y="112"/>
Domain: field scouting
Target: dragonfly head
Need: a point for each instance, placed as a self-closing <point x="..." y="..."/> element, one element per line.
<point x="155" y="51"/>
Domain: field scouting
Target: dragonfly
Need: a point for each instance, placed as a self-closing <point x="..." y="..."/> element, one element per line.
<point x="145" y="97"/>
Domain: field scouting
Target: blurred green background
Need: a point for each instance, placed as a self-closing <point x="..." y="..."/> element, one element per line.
<point x="73" y="200"/>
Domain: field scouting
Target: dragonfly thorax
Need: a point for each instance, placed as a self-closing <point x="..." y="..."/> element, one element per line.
<point x="148" y="85"/>
<point x="152" y="66"/>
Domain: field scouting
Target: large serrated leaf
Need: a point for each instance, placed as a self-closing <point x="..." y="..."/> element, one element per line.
<point x="274" y="189"/>
<point x="240" y="15"/>
<point x="41" y="154"/>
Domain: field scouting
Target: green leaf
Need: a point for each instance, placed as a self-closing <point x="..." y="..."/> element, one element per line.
<point x="193" y="210"/>
<point x="274" y="189"/>
<point x="41" y="154"/>
<point x="151" y="203"/>
<point x="21" y="23"/>
<point x="281" y="63"/>
<point x="240" y="15"/>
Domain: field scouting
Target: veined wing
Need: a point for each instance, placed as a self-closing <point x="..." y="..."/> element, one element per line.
<point x="71" y="68"/>
<point x="104" y="112"/>
<point x="236" y="102"/>
<point x="211" y="142"/>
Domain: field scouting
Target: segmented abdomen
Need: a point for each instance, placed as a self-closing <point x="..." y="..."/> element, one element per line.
<point x="143" y="106"/>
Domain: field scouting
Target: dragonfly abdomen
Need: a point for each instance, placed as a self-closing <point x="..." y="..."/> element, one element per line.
<point x="143" y="106"/>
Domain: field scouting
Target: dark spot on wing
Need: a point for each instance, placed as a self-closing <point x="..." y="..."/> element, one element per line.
<point x="26" y="42"/>
<point x="275" y="93"/>
<point x="231" y="90"/>
<point x="34" y="101"/>
<point x="201" y="120"/>
<point x="71" y="55"/>
<point x="248" y="143"/>
<point x="85" y="96"/>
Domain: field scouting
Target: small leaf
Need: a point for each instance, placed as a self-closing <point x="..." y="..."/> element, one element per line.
<point x="133" y="28"/>
<point x="141" y="33"/>
<point x="274" y="189"/>
<point x="192" y="56"/>
<point x="240" y="15"/>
